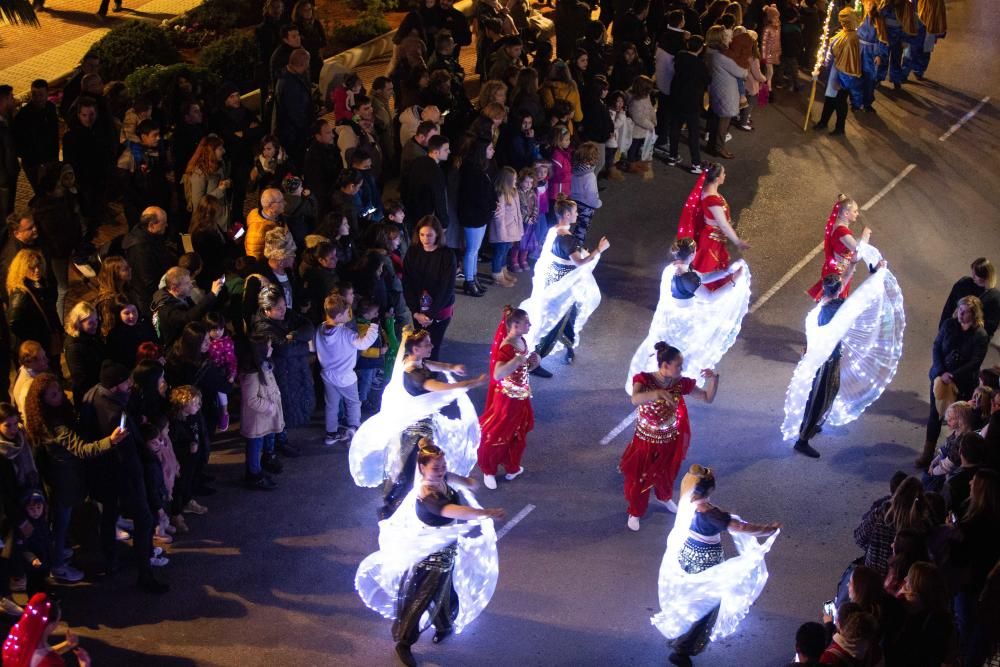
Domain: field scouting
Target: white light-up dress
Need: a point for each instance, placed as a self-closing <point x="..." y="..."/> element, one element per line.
<point x="703" y="324"/>
<point x="868" y="328"/>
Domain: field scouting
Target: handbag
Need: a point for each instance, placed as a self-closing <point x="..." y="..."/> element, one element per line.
<point x="55" y="346"/>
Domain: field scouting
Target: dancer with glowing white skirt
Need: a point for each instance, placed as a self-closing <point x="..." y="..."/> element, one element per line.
<point x="701" y="323"/>
<point x="414" y="404"/>
<point x="437" y="557"/>
<point x="563" y="291"/>
<point x="853" y="349"/>
<point x="703" y="596"/>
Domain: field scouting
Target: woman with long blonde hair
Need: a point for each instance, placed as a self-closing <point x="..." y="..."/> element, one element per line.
<point x="32" y="310"/>
<point x="112" y="287"/>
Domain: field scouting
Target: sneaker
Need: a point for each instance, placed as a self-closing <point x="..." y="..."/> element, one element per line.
<point x="569" y="357"/>
<point x="695" y="169"/>
<point x="122" y="535"/>
<point x="803" y="447"/>
<point x="66" y="574"/>
<point x="259" y="482"/>
<point x="490" y="481"/>
<point x="511" y="476"/>
<point x="347" y="435"/>
<point x="179" y="524"/>
<point x="67" y="553"/>
<point x="671" y="506"/>
<point x="170" y="528"/>
<point x="159" y="561"/>
<point x="729" y="137"/>
<point x="633" y="523"/>
<point x="270" y="463"/>
<point x="673" y="160"/>
<point x="331" y="438"/>
<point x="745" y="127"/>
<point x="10" y="607"/>
<point x="157" y="551"/>
<point x="460" y="275"/>
<point x="125" y="524"/>
<point x="18" y="584"/>
<point x="194" y="507"/>
<point x="224" y="421"/>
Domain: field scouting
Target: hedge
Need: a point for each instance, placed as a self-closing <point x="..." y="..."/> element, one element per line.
<point x="162" y="78"/>
<point x="132" y="45"/>
<point x="232" y="58"/>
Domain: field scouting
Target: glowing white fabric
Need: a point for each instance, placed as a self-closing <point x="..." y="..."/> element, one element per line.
<point x="870" y="325"/>
<point x="734" y="584"/>
<point x="547" y="305"/>
<point x="375" y="450"/>
<point x="703" y="328"/>
<point x="404" y="540"/>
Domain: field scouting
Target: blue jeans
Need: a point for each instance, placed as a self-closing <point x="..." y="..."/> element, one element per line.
<point x="473" y="239"/>
<point x="60" y="527"/>
<point x="500" y="251"/>
<point x="256" y="447"/>
<point x="365" y="378"/>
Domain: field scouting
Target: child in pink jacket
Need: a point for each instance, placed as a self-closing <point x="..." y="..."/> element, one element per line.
<point x="770" y="44"/>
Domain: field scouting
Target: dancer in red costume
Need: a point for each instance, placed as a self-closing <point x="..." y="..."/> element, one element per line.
<point x="508" y="416"/>
<point x="662" y="430"/>
<point x="706" y="219"/>
<point x="839" y="245"/>
<point x="27" y="645"/>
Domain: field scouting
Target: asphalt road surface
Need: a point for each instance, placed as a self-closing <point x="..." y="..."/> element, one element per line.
<point x="267" y="579"/>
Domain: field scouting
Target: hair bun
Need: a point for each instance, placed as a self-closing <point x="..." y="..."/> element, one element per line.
<point x="660" y="346"/>
<point x="841" y="198"/>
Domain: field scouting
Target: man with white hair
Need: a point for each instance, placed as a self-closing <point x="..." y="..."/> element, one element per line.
<point x="173" y="307"/>
<point x="263" y="219"/>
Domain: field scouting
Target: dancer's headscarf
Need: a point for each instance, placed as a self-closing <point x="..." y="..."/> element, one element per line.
<point x="870" y="326"/>
<point x="21" y="643"/>
<point x="693" y="215"/>
<point x="498" y="339"/>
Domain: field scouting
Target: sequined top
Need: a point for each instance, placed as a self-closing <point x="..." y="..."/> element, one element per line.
<point x="515" y="385"/>
<point x="658" y="421"/>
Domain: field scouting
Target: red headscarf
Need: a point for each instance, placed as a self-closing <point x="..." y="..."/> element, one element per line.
<point x="831" y="223"/>
<point x="498" y="339"/>
<point x="23" y="639"/>
<point x="693" y="216"/>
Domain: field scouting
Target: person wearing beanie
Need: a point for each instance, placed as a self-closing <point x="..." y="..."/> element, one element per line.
<point x="276" y="269"/>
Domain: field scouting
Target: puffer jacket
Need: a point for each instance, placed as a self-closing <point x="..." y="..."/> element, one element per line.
<point x="261" y="404"/>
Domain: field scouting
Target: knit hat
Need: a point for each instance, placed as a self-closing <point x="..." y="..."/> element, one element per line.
<point x="278" y="244"/>
<point x="227" y="89"/>
<point x="34" y="495"/>
<point x="113" y="374"/>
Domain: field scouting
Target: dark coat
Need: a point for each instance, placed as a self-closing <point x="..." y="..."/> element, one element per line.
<point x="91" y="151"/>
<point x="204" y="375"/>
<point x="990" y="296"/>
<point x="431" y="272"/>
<point x="477" y="199"/>
<point x="149" y="257"/>
<point x="33" y="318"/>
<point x="124" y="341"/>
<point x="292" y="369"/>
<point x="59" y="222"/>
<point x="426" y="190"/>
<point x="597" y="123"/>
<point x="84" y="355"/>
<point x="239" y="149"/>
<point x="293" y="113"/>
<point x="960" y="353"/>
<point x="172" y="314"/>
<point x="60" y="462"/>
<point x="691" y="79"/>
<point x="36" y="133"/>
<point x="516" y="150"/>
<point x="319" y="173"/>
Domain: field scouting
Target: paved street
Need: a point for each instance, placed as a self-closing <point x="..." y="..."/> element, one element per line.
<point x="267" y="579"/>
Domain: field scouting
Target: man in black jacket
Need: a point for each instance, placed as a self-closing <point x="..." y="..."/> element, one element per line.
<point x="144" y="172"/>
<point x="290" y="40"/>
<point x="36" y="131"/>
<point x="146" y="251"/>
<point x="90" y="148"/>
<point x="687" y="95"/>
<point x="293" y="106"/>
<point x="322" y="165"/>
<point x="173" y="308"/>
<point x="117" y="477"/>
<point x="90" y="64"/>
<point x="9" y="167"/>
<point x="427" y="189"/>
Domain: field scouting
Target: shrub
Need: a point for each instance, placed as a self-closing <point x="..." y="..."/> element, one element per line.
<point x="223" y="15"/>
<point x="132" y="45"/>
<point x="232" y="58"/>
<point x="371" y="23"/>
<point x="162" y="78"/>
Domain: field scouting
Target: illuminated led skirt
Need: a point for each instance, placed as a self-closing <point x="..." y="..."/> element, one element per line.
<point x="703" y="328"/>
<point x="870" y="326"/>
<point x="376" y="449"/>
<point x="732" y="585"/>
<point x="405" y="541"/>
<point x="549" y="303"/>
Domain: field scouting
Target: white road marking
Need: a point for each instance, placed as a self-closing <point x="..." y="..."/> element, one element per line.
<point x="964" y="119"/>
<point x="514" y="521"/>
<point x="622" y="425"/>
<point x="766" y="296"/>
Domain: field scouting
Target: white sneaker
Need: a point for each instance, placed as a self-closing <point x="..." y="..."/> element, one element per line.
<point x="671" y="506"/>
<point x="194" y="507"/>
<point x="729" y="136"/>
<point x="510" y="477"/>
<point x="157" y="551"/>
<point x="347" y="435"/>
<point x="67" y="573"/>
<point x="331" y="439"/>
<point x="10" y="607"/>
<point x="158" y="561"/>
<point x="490" y="481"/>
<point x="633" y="522"/>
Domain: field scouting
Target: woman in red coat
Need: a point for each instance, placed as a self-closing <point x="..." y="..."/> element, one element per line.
<point x="508" y="417"/>
<point x="839" y="245"/>
<point x="662" y="430"/>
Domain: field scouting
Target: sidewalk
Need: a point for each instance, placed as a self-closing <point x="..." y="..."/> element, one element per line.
<point x="68" y="29"/>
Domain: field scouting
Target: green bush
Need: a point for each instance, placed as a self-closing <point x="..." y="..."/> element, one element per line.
<point x="132" y="45"/>
<point x="232" y="58"/>
<point x="371" y="23"/>
<point x="222" y="15"/>
<point x="162" y="78"/>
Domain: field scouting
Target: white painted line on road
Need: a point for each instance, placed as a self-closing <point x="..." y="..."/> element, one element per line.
<point x="513" y="522"/>
<point x="964" y="119"/>
<point x="766" y="296"/>
<point x="622" y="425"/>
